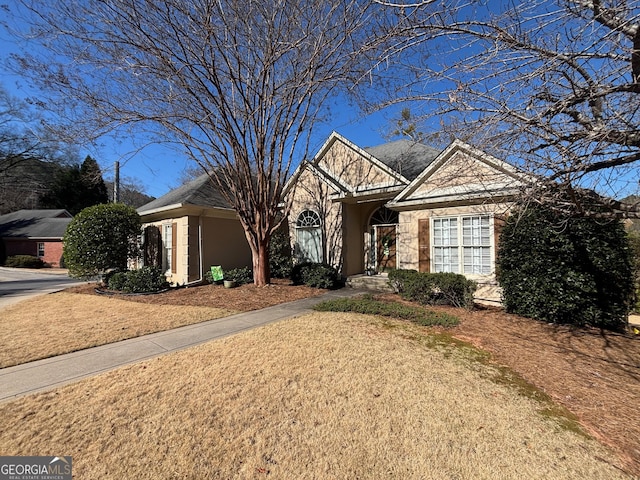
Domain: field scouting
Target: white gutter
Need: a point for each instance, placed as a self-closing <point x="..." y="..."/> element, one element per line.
<point x="200" y="260"/>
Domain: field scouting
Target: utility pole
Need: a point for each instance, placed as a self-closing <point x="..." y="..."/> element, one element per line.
<point x="116" y="183"/>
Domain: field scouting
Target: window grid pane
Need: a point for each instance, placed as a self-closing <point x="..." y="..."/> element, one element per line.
<point x="473" y="233"/>
<point x="445" y="232"/>
<point x="477" y="260"/>
<point x="446" y="259"/>
<point x="310" y="244"/>
<point x="168" y="242"/>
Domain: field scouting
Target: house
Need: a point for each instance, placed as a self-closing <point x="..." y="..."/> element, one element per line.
<point x="402" y="205"/>
<point x="35" y="232"/>
<point x="190" y="229"/>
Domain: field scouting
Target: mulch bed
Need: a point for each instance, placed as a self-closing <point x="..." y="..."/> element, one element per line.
<point x="242" y="299"/>
<point x="593" y="373"/>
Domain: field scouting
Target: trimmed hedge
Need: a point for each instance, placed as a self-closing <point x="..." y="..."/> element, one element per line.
<point x="565" y="270"/>
<point x="239" y="275"/>
<point x="101" y="238"/>
<point x="144" y="280"/>
<point x="433" y="288"/>
<point x="317" y="275"/>
<point x="23" y="261"/>
<point x="368" y="305"/>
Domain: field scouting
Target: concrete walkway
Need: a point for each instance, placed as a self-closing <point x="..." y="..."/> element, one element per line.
<point x="53" y="372"/>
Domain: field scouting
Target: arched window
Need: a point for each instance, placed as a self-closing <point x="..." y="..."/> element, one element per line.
<point x="384" y="216"/>
<point x="309" y="237"/>
<point x="308" y="219"/>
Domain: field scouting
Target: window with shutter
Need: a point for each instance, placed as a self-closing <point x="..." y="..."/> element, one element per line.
<point x="462" y="244"/>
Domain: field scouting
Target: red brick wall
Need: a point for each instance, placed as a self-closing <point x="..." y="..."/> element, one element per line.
<point x="52" y="253"/>
<point x="52" y="249"/>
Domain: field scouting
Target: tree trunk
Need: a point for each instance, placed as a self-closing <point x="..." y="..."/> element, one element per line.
<point x="261" y="273"/>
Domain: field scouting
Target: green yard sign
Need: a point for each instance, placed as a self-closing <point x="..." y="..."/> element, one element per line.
<point x="216" y="273"/>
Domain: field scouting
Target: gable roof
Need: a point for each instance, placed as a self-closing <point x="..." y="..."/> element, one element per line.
<point x="332" y="179"/>
<point x="35" y="224"/>
<point x="511" y="179"/>
<point x="402" y="160"/>
<point x="200" y="192"/>
<point x="406" y="157"/>
<point x="363" y="152"/>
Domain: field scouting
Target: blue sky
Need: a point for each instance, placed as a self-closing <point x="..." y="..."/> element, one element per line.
<point x="159" y="168"/>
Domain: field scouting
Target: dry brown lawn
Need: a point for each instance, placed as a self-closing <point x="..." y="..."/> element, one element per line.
<point x="596" y="375"/>
<point x="329" y="396"/>
<point x="79" y="317"/>
<point x="65" y="322"/>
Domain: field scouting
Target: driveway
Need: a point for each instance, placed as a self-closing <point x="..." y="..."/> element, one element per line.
<point x="17" y="284"/>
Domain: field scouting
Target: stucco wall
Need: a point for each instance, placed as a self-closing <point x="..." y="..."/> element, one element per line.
<point x="225" y="244"/>
<point x="354" y="247"/>
<point x="351" y="168"/>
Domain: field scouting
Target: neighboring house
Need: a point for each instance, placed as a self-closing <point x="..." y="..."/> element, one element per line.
<point x="35" y="232"/>
<point x="190" y="229"/>
<point x="402" y="205"/>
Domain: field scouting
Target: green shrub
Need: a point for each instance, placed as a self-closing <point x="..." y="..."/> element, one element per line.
<point x="239" y="275"/>
<point x="368" y="305"/>
<point x="144" y="280"/>
<point x="433" y="288"/>
<point x="101" y="238"/>
<point x="634" y="243"/>
<point x="317" y="275"/>
<point x="280" y="259"/>
<point x="399" y="277"/>
<point x="565" y="270"/>
<point x="116" y="281"/>
<point x="23" y="261"/>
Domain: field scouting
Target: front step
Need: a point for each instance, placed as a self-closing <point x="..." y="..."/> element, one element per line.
<point x="370" y="282"/>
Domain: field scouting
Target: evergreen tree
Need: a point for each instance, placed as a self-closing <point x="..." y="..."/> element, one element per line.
<point x="95" y="189"/>
<point x="77" y="187"/>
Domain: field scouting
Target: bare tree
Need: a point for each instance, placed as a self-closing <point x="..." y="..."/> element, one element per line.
<point x="19" y="139"/>
<point x="553" y="85"/>
<point x="29" y="154"/>
<point x="238" y="84"/>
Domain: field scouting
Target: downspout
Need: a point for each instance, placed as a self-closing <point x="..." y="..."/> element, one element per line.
<point x="200" y="260"/>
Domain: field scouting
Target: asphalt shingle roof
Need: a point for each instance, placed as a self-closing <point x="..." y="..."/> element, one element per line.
<point x="34" y="224"/>
<point x="200" y="191"/>
<point x="406" y="157"/>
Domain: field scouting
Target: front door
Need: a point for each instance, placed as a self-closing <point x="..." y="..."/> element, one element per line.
<point x="385" y="247"/>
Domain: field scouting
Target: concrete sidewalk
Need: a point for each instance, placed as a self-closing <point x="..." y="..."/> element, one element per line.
<point x="53" y="372"/>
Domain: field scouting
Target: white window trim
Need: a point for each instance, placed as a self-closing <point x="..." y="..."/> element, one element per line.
<point x="38" y="249"/>
<point x="460" y="246"/>
<point x="167" y="239"/>
<point x="316" y="228"/>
